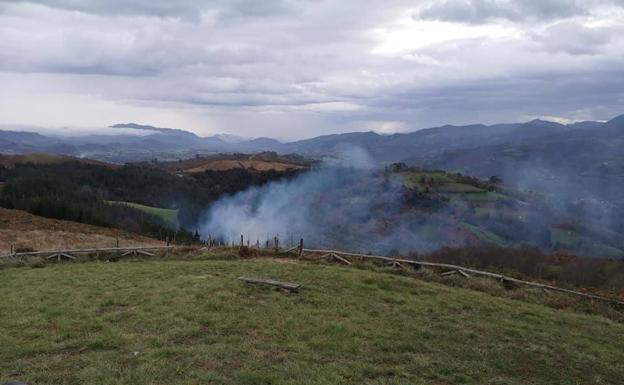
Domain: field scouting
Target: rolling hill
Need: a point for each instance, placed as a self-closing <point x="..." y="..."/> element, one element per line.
<point x="261" y="162"/>
<point x="193" y="322"/>
<point x="20" y="230"/>
<point x="145" y="142"/>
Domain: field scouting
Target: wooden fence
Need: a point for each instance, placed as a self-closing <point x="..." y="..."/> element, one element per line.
<point x="300" y="252"/>
<point x="67" y="253"/>
<point x="465" y="271"/>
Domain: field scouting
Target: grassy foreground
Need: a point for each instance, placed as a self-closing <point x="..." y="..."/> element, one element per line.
<point x="193" y="322"/>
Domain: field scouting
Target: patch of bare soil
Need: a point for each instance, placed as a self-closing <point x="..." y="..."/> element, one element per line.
<point x="30" y="232"/>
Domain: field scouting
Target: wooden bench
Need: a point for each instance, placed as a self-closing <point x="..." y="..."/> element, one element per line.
<point x="286" y="286"/>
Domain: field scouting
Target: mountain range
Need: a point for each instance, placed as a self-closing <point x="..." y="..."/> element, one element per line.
<point x="541" y="155"/>
<point x="426" y="144"/>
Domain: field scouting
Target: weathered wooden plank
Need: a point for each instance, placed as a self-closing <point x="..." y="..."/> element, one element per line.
<point x="290" y="286"/>
<point x="92" y="250"/>
<point x="463" y="273"/>
<point x="136" y="252"/>
<point x="341" y="259"/>
<point x="301" y="248"/>
<point x="394" y="264"/>
<point x="61" y="256"/>
<point x="290" y="250"/>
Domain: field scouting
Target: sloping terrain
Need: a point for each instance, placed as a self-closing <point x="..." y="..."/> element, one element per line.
<point x="30" y="232"/>
<point x="490" y="213"/>
<point x="194" y="322"/>
<point x="11" y="160"/>
<point x="159" y="203"/>
<point x="257" y="165"/>
<point x="148" y="142"/>
<point x="168" y="215"/>
<point x="406" y="210"/>
<point x="258" y="162"/>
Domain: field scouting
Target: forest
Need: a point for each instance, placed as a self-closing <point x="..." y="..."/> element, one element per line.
<point x="80" y="192"/>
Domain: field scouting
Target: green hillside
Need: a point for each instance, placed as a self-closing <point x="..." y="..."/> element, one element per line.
<point x="477" y="211"/>
<point x="193" y="322"/>
<point x="168" y="215"/>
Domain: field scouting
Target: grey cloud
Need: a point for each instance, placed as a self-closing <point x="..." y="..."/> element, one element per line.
<point x="186" y="9"/>
<point x="574" y="38"/>
<point x="310" y="66"/>
<point x="480" y="11"/>
<point x="190" y="8"/>
<point x="576" y="95"/>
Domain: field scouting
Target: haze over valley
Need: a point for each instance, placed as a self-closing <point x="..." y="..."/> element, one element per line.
<point x="311" y="192"/>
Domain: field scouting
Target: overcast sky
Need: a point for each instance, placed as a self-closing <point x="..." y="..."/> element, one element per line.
<point x="300" y="68"/>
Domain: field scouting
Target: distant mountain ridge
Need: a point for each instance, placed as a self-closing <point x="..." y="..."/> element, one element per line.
<point x="420" y="146"/>
<point x="576" y="168"/>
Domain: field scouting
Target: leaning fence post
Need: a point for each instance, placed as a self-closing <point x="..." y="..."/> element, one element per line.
<point x="300" y="247"/>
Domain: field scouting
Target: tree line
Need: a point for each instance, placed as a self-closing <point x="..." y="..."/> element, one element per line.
<point x="79" y="192"/>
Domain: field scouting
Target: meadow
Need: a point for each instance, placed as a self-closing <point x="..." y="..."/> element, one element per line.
<point x="193" y="322"/>
<point x="169" y="216"/>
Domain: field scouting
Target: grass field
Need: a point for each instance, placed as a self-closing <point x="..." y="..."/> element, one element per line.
<point x="167" y="215"/>
<point x="571" y="239"/>
<point x="484" y="235"/>
<point x="413" y="179"/>
<point x="193" y="322"/>
<point x="445" y="184"/>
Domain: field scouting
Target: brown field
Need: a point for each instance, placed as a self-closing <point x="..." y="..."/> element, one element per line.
<point x="256" y="165"/>
<point x="27" y="231"/>
<point x="12" y="160"/>
<point x="230" y="162"/>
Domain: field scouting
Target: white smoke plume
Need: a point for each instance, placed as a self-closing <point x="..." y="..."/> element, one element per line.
<point x="331" y="206"/>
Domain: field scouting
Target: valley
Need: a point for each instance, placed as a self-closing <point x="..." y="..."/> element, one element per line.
<point x="287" y="192"/>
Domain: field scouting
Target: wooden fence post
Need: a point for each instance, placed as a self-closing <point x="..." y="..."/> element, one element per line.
<point x="300" y="248"/>
<point x="242" y="241"/>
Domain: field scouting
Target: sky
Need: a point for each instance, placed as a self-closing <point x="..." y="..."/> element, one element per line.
<point x="294" y="69"/>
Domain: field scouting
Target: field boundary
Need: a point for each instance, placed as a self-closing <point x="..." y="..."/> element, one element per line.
<point x="83" y="251"/>
<point x="465" y="271"/>
<point x="300" y="253"/>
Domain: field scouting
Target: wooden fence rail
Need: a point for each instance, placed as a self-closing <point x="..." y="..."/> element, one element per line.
<point x="92" y="250"/>
<point x="500" y="277"/>
<point x="341" y="256"/>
